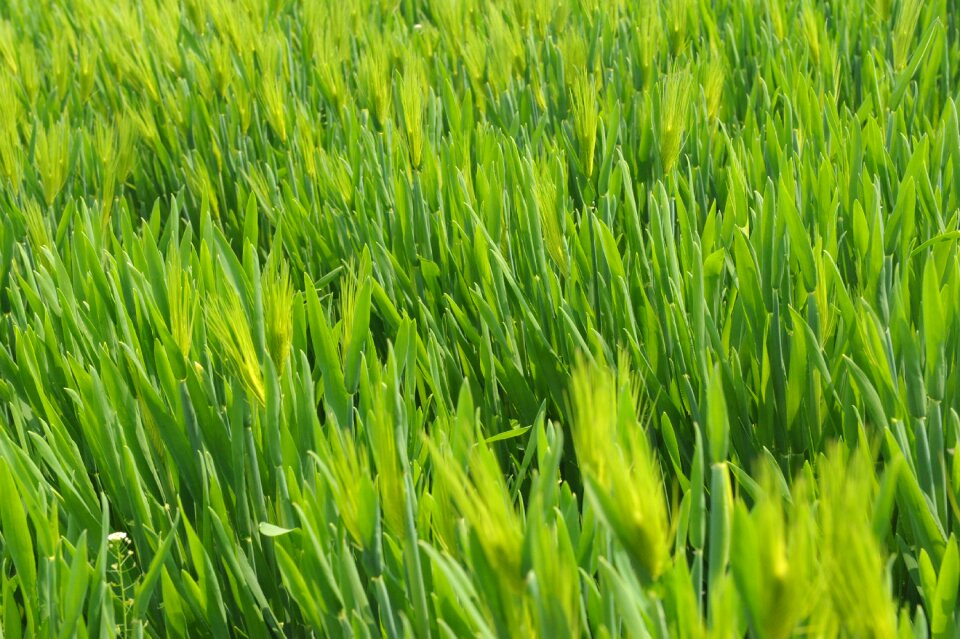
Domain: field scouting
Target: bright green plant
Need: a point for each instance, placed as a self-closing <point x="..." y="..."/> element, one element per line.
<point x="436" y="318"/>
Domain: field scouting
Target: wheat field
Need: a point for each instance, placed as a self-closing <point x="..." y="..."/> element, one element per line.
<point x="441" y="318"/>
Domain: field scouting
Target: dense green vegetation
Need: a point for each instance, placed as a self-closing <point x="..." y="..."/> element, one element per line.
<point x="441" y="318"/>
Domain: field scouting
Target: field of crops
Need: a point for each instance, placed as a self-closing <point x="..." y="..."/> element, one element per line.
<point x="444" y="318"/>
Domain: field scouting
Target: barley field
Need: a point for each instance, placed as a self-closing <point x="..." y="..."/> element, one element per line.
<point x="448" y="318"/>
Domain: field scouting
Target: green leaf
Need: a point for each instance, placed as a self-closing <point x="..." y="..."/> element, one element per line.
<point x="945" y="599"/>
<point x="359" y="333"/>
<point x="718" y="421"/>
<point x="869" y="394"/>
<point x="800" y="247"/>
<point x="335" y="392"/>
<point x="148" y="584"/>
<point x="270" y="530"/>
<point x="18" y="541"/>
<point x="508" y="434"/>
<point x="934" y="327"/>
